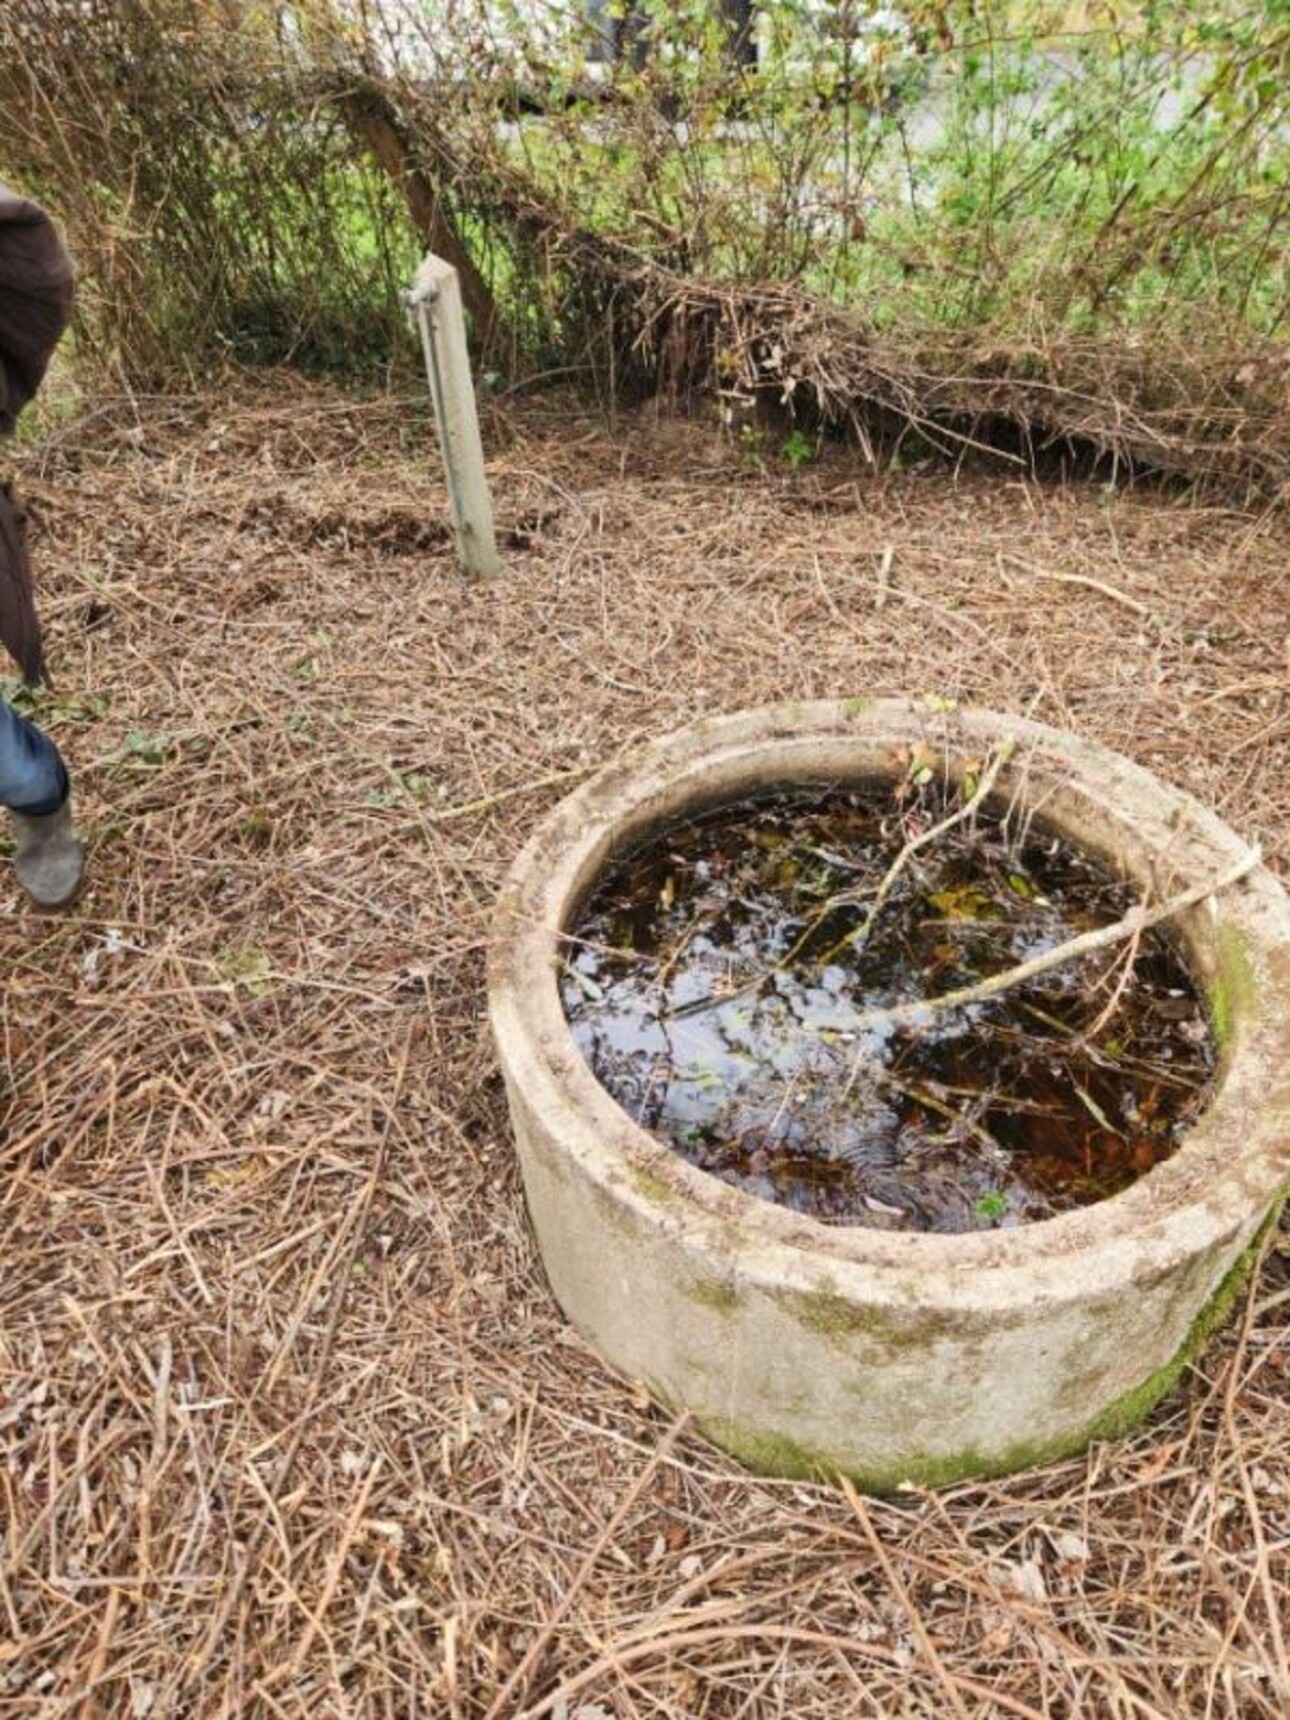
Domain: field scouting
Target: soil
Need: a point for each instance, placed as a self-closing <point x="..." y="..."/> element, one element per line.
<point x="717" y="983"/>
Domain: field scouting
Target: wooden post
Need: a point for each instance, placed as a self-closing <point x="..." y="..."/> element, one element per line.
<point x="435" y="305"/>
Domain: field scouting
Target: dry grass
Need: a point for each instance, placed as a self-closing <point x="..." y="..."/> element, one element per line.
<point x="288" y="1423"/>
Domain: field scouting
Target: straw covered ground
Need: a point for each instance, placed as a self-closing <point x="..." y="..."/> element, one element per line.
<point x="289" y="1425"/>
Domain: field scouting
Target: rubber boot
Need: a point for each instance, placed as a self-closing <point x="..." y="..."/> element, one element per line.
<point x="49" y="857"/>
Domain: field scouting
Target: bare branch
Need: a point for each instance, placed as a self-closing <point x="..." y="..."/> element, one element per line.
<point x="1139" y="919"/>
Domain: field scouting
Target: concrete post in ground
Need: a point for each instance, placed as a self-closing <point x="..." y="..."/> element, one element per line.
<point x="434" y="303"/>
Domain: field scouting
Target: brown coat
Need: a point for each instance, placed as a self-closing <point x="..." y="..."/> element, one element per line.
<point x="35" y="304"/>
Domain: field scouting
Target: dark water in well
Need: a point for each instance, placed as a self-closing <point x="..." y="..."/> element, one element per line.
<point x="715" y="981"/>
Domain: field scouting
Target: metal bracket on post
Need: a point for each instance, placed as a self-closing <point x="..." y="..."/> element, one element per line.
<point x="434" y="307"/>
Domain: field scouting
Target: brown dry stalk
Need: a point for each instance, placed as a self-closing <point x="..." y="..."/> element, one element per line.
<point x="860" y="934"/>
<point x="1263" y="1567"/>
<point x="331" y="1579"/>
<point x="486" y="802"/>
<point x="980" y="794"/>
<point x="668" y="1644"/>
<point x="1127" y="967"/>
<point x="1086" y="580"/>
<point x="907" y="1605"/>
<point x="523" y="1673"/>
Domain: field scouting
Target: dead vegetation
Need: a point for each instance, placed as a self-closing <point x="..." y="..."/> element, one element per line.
<point x="256" y="184"/>
<point x="1200" y="409"/>
<point x="289" y="1425"/>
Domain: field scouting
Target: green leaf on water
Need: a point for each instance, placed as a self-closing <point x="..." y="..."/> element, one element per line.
<point x="701" y="1078"/>
<point x="960" y="902"/>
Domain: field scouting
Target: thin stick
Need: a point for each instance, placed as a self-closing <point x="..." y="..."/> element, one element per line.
<point x="501" y="1703"/>
<point x="881" y="1076"/>
<point x="989" y="777"/>
<point x="1281" y="1663"/>
<point x="670" y="1644"/>
<point x="906" y="1601"/>
<point x="1121" y="984"/>
<point x="99" y="1660"/>
<point x="472" y="808"/>
<point x="884" y="577"/>
<point x="1085" y="579"/>
<point x="1136" y="921"/>
<point x="860" y="936"/>
<point x="348" y="1533"/>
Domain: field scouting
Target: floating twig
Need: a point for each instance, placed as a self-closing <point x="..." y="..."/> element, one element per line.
<point x="989" y="776"/>
<point x="1137" y="920"/>
<point x="860" y="935"/>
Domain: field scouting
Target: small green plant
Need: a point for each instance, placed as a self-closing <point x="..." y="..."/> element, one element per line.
<point x="53" y="708"/>
<point x="797" y="450"/>
<point x="992" y="1206"/>
<point x="144" y="749"/>
<point x="408" y="785"/>
<point x="256" y="829"/>
<point x="1025" y="202"/>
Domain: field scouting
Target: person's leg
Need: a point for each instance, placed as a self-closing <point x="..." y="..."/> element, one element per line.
<point x="33" y="777"/>
<point x="48" y="857"/>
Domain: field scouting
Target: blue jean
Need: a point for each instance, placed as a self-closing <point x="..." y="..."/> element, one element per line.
<point x="33" y="777"/>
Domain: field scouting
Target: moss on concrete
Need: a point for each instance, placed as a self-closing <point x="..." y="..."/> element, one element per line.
<point x="653" y="1187"/>
<point x="767" y="1453"/>
<point x="1233" y="989"/>
<point x="614" y="1213"/>
<point x="1136" y="1404"/>
<point x="719" y="1294"/>
<point x="855" y="707"/>
<point x="541" y="1152"/>
<point x="773" y="1454"/>
<point x="834" y="1316"/>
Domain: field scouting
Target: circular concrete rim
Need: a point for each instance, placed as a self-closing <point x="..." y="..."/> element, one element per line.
<point x="1233" y="1164"/>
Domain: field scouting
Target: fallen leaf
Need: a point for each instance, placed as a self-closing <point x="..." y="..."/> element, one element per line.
<point x="1022" y="1577"/>
<point x="1070" y="1549"/>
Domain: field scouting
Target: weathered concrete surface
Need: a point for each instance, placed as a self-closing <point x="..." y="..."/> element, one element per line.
<point x="890" y="1357"/>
